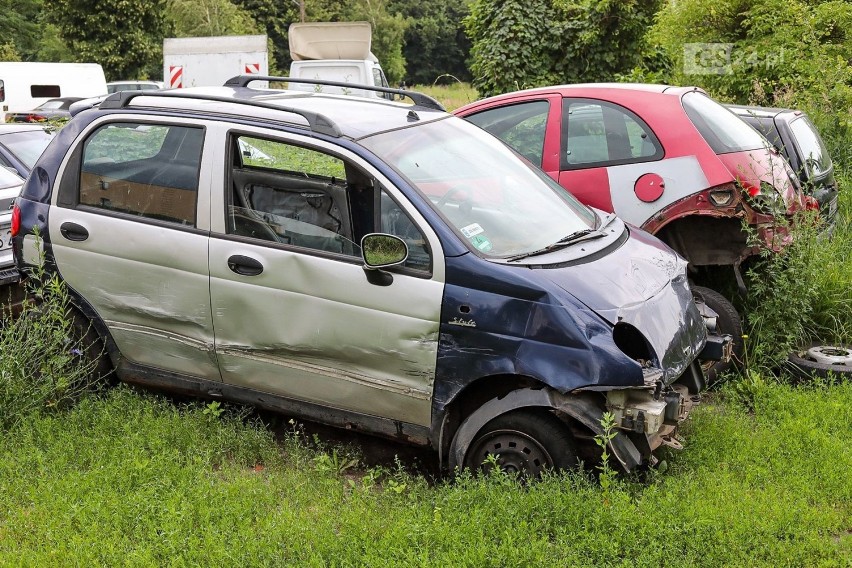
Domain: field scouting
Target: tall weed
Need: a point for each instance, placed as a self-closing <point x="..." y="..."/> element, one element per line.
<point x="42" y="362"/>
<point x="802" y="294"/>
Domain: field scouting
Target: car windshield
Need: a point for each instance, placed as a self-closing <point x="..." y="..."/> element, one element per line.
<point x="724" y="131"/>
<point x="814" y="154"/>
<point x="27" y="146"/>
<point x="495" y="200"/>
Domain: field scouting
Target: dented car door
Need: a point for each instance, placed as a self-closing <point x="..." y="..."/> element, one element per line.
<point x="129" y="197"/>
<point x="295" y="312"/>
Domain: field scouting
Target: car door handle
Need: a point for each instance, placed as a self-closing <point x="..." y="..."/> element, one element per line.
<point x="245" y="265"/>
<point x="73" y="231"/>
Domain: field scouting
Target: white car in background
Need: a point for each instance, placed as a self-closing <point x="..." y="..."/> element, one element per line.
<point x="10" y="188"/>
<point x="116" y="86"/>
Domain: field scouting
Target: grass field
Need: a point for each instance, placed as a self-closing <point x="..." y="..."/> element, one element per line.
<point x="131" y="478"/>
<point x="138" y="480"/>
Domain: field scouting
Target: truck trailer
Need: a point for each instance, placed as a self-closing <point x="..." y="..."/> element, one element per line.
<point x="210" y="61"/>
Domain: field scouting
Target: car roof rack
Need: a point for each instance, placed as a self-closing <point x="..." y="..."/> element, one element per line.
<point x="317" y="122"/>
<point x="419" y="99"/>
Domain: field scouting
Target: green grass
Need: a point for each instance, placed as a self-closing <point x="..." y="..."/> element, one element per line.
<point x="135" y="479"/>
<point x="449" y="92"/>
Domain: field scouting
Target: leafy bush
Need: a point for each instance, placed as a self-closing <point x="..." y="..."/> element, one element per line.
<point x="43" y="365"/>
<point x="787" y="53"/>
<point x="517" y="44"/>
<point x="800" y="295"/>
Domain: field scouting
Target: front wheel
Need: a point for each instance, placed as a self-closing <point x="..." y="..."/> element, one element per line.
<point x="728" y="322"/>
<point x="522" y="442"/>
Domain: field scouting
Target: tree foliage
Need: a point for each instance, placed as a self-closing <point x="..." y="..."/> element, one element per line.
<point x="517" y="44"/>
<point x="774" y="52"/>
<point x="209" y="18"/>
<point x="19" y="27"/>
<point x="124" y="36"/>
<point x="274" y="17"/>
<point x="388" y="28"/>
<point x="435" y="43"/>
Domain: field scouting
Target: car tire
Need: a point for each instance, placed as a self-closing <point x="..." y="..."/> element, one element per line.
<point x="88" y="346"/>
<point x="803" y="365"/>
<point x="728" y="322"/>
<point x="525" y="443"/>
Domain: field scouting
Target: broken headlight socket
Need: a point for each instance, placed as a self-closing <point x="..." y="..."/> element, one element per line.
<point x="721" y="198"/>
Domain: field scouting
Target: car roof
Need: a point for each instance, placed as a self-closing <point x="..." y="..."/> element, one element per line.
<point x="353" y="116"/>
<point x="591" y="90"/>
<point x="11" y="127"/>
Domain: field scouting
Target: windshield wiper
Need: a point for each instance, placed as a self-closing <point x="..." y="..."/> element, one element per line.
<point x="582" y="234"/>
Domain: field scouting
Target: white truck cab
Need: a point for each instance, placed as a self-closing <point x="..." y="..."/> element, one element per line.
<point x="335" y="51"/>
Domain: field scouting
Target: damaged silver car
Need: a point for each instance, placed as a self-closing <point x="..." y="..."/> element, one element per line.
<point x="374" y="265"/>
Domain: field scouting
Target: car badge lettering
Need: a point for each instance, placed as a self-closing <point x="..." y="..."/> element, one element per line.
<point x="463" y="322"/>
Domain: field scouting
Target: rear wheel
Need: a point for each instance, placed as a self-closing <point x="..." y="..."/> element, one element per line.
<point x="728" y="322"/>
<point x="86" y="344"/>
<point x="522" y="442"/>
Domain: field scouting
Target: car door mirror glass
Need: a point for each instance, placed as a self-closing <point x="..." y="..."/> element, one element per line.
<point x="380" y="251"/>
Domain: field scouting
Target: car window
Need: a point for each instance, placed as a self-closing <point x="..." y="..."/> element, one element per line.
<point x="814" y="155"/>
<point x="27" y="145"/>
<point x="521" y="126"/>
<point x="286" y="194"/>
<point x="724" y="131"/>
<point x="146" y="170"/>
<point x="8" y="178"/>
<point x="52" y="105"/>
<point x="596" y="133"/>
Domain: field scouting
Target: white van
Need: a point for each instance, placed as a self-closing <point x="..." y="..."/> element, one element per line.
<point x="25" y="85"/>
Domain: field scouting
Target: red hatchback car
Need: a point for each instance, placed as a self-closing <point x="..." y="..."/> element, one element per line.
<point x="670" y="160"/>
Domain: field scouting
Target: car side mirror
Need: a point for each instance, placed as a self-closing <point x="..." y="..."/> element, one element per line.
<point x="380" y="250"/>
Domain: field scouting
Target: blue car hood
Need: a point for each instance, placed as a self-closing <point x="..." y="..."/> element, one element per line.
<point x="643" y="283"/>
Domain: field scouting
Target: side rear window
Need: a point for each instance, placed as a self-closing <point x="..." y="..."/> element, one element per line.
<point x="521" y="126"/>
<point x="50" y="91"/>
<point x="724" y="131"/>
<point x="146" y="170"/>
<point x="596" y="133"/>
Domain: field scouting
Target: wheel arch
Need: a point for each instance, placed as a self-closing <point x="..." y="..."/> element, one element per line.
<point x="458" y="430"/>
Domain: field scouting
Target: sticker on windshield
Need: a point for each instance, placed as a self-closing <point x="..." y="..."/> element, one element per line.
<point x="481" y="242"/>
<point x="472" y="230"/>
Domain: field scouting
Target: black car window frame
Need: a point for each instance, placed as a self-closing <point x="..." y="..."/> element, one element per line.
<point x="564" y="165"/>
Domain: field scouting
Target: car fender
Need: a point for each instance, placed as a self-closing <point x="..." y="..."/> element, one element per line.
<point x="586" y="408"/>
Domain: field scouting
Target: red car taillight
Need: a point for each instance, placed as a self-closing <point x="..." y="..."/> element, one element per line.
<point x="16" y="220"/>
